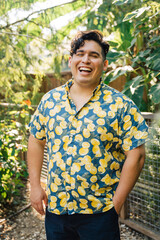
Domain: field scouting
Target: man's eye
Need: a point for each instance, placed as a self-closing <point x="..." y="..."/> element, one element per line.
<point x="79" y="54"/>
<point x="94" y="56"/>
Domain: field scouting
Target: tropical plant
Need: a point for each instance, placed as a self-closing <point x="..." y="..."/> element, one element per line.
<point x="135" y="50"/>
<point x="13" y="143"/>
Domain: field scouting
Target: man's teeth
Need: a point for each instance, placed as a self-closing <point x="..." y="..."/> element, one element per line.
<point x="85" y="69"/>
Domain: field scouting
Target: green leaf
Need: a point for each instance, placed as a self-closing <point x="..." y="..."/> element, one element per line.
<point x="144" y="53"/>
<point x="132" y="43"/>
<point x="125" y="45"/>
<point x="114" y="74"/>
<point x="153" y="60"/>
<point x="134" y="90"/>
<point x="135" y="83"/>
<point x="135" y="95"/>
<point x="113" y="44"/>
<point x="135" y="14"/>
<point x="154" y="39"/>
<point x="4" y="195"/>
<point x="121" y="2"/>
<point x="1" y="143"/>
<point x="156" y="65"/>
<point x="155" y="93"/>
<point x="153" y="57"/>
<point x="112" y="56"/>
<point x="138" y="95"/>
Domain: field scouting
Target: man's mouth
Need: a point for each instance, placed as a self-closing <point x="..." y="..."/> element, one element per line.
<point x="85" y="69"/>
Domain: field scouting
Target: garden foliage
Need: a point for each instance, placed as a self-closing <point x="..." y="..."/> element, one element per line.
<point x="13" y="132"/>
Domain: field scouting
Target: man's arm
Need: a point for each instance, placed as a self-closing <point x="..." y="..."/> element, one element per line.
<point x="130" y="172"/>
<point x="35" y="161"/>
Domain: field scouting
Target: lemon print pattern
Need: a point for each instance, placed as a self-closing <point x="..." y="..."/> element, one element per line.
<point x="86" y="149"/>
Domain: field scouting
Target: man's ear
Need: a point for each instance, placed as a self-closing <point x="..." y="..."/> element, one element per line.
<point x="105" y="65"/>
<point x="69" y="61"/>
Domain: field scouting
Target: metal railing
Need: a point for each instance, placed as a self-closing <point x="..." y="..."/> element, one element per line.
<point x="142" y="208"/>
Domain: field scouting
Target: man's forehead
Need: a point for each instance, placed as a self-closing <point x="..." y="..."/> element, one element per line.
<point x="90" y="46"/>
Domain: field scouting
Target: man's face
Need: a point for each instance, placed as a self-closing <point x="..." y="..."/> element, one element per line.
<point x="87" y="64"/>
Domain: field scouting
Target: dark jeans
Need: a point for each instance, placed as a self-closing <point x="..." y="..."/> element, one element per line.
<point x="100" y="226"/>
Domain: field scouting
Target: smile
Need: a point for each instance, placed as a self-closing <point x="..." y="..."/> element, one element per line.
<point x="85" y="69"/>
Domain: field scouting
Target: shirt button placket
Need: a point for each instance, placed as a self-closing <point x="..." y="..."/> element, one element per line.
<point x="69" y="185"/>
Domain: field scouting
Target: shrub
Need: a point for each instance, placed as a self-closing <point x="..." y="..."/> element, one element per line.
<point x="13" y="132"/>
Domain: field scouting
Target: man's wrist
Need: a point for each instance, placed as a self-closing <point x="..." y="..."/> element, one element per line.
<point x="34" y="184"/>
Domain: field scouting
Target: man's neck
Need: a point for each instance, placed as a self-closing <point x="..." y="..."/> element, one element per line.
<point x="80" y="95"/>
<point x="82" y="90"/>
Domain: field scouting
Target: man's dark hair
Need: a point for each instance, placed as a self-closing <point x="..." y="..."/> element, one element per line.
<point x="93" y="35"/>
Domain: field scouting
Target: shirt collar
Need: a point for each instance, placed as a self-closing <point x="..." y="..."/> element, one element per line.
<point x="68" y="85"/>
<point x="71" y="81"/>
<point x="98" y="87"/>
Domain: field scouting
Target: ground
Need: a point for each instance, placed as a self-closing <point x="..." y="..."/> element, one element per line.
<point x="24" y="223"/>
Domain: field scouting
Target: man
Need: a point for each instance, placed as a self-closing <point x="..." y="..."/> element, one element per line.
<point x="95" y="142"/>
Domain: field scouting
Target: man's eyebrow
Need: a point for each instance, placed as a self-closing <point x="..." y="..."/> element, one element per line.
<point x="92" y="52"/>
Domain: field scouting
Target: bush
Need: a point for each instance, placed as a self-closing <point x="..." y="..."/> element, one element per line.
<point x="13" y="141"/>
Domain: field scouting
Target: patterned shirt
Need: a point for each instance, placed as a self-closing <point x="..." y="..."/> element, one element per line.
<point x="85" y="148"/>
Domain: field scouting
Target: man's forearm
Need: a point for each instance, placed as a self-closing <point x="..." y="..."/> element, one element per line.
<point x="35" y="160"/>
<point x="129" y="175"/>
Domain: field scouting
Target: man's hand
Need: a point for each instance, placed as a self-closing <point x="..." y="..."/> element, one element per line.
<point x="117" y="206"/>
<point x="37" y="197"/>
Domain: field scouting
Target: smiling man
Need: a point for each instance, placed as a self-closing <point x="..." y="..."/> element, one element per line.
<point x="87" y="65"/>
<point x="95" y="148"/>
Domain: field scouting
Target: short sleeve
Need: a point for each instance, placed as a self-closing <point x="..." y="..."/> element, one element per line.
<point x="37" y="123"/>
<point x="133" y="129"/>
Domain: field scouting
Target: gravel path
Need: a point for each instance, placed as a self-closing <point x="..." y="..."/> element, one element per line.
<point x="28" y="225"/>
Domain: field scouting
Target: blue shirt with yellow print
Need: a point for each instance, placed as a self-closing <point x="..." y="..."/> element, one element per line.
<point x="85" y="148"/>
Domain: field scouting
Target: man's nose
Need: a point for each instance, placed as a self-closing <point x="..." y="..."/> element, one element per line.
<point x="86" y="58"/>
